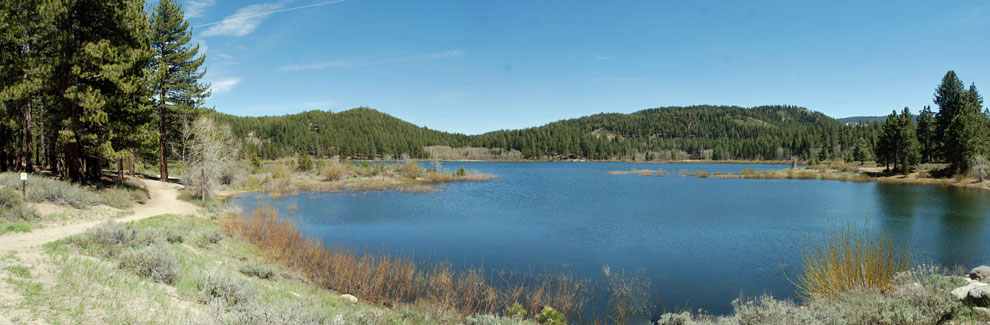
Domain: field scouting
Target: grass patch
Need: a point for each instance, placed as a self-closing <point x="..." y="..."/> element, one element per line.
<point x="15" y="215"/>
<point x="15" y="226"/>
<point x="45" y="189"/>
<point x="19" y="271"/>
<point x="644" y="172"/>
<point x="848" y="258"/>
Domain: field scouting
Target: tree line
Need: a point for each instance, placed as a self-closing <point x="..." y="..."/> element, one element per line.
<point x="959" y="134"/>
<point x="87" y="83"/>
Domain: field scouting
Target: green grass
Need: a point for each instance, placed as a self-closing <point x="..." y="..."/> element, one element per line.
<point x="89" y="287"/>
<point x="16" y="226"/>
<point x="19" y="271"/>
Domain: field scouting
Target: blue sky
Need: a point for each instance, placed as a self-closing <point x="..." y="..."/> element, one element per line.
<point x="478" y="66"/>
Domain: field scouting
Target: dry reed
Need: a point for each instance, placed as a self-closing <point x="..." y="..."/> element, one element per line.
<point x="644" y="172"/>
<point x="393" y="280"/>
<point x="849" y="258"/>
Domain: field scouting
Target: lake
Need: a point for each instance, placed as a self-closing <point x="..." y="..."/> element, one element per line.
<point x="701" y="241"/>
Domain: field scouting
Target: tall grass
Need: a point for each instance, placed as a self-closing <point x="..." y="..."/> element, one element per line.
<point x="393" y="280"/>
<point x="848" y="258"/>
<point x="41" y="188"/>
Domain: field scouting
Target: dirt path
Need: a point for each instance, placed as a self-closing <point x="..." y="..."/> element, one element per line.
<point x="24" y="249"/>
<point x="163" y="200"/>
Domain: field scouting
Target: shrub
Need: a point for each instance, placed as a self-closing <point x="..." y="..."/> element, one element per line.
<point x="41" y="188"/>
<point x="116" y="197"/>
<point x="219" y="286"/>
<point x="550" y="316"/>
<point x="213" y="237"/>
<point x="258" y="270"/>
<point x="158" y="235"/>
<point x="156" y="261"/>
<point x="304" y="163"/>
<point x="410" y="170"/>
<point x="12" y="206"/>
<point x="111" y="233"/>
<point x="701" y="174"/>
<point x="849" y="259"/>
<point x="334" y="171"/>
<point x="516" y="310"/>
<point x="460" y="172"/>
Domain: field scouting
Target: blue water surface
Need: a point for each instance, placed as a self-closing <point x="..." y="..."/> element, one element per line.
<point x="701" y="241"/>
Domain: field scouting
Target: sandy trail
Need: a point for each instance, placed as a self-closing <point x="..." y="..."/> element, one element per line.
<point x="163" y="200"/>
<point x="24" y="249"/>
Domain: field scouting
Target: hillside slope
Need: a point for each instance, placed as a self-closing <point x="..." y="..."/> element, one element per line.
<point x="694" y="132"/>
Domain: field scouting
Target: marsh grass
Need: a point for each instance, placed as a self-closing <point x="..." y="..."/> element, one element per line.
<point x="849" y="258"/>
<point x="644" y="172"/>
<point x="394" y="280"/>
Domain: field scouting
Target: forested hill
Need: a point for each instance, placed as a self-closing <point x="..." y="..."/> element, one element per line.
<point x="358" y="133"/>
<point x="695" y="132"/>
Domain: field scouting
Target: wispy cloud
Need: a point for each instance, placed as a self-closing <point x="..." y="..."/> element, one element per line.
<point x="196" y="8"/>
<point x="242" y="22"/>
<point x="351" y="63"/>
<point x="972" y="15"/>
<point x="247" y="19"/>
<point x="224" y="85"/>
<point x="599" y="56"/>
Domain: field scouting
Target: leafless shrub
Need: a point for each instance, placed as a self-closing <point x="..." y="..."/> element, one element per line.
<point x="209" y="151"/>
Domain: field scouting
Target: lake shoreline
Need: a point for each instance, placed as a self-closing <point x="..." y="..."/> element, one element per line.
<point x="863" y="174"/>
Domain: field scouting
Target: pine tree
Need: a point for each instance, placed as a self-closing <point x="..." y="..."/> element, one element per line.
<point x="954" y="120"/>
<point x="908" y="151"/>
<point x="861" y="151"/>
<point x="927" y="134"/>
<point x="98" y="73"/>
<point x="176" y="73"/>
<point x="886" y="150"/>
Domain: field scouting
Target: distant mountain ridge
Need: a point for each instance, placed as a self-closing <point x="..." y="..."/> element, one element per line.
<point x="666" y="133"/>
<point x="862" y="119"/>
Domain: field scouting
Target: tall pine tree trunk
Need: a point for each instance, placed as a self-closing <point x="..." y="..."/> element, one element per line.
<point x="28" y="139"/>
<point x="161" y="137"/>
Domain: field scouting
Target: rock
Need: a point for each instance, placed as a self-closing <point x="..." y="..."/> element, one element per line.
<point x="982" y="311"/>
<point x="980" y="273"/>
<point x="976" y="293"/>
<point x="980" y="296"/>
<point x="350" y="298"/>
<point x="963" y="291"/>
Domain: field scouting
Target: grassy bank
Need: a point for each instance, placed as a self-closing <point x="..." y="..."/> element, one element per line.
<point x="179" y="270"/>
<point x="51" y="200"/>
<point x="838" y="171"/>
<point x="288" y="177"/>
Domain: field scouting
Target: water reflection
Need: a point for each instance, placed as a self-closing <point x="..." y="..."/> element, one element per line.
<point x="941" y="225"/>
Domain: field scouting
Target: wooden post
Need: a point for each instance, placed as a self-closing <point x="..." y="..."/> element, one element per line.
<point x="24" y="177"/>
